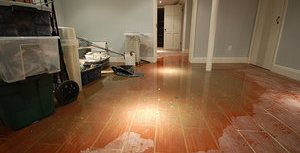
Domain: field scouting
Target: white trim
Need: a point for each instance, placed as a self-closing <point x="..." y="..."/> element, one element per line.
<point x="197" y="60"/>
<point x="116" y="60"/>
<point x="286" y="71"/>
<point x="254" y="33"/>
<point x="220" y="60"/>
<point x="155" y="31"/>
<point x="193" y="30"/>
<point x="252" y="55"/>
<point x="212" y="34"/>
<point x="184" y="25"/>
<point x="280" y="33"/>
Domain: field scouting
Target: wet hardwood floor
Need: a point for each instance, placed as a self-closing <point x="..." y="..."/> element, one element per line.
<point x="176" y="108"/>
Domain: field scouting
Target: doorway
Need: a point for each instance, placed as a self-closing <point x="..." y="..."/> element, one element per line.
<point x="172" y="27"/>
<point x="174" y="37"/>
<point x="266" y="35"/>
<point x="169" y="23"/>
<point x="160" y="27"/>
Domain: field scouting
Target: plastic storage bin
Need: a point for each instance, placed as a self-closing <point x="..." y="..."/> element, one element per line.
<point x="24" y="102"/>
<point x="132" y="44"/>
<point x="22" y="57"/>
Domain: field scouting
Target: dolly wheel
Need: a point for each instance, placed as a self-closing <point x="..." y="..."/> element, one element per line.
<point x="67" y="92"/>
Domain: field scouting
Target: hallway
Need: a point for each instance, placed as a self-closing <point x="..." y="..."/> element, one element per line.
<point x="176" y="108"/>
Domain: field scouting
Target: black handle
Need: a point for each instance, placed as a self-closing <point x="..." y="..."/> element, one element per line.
<point x="278" y="20"/>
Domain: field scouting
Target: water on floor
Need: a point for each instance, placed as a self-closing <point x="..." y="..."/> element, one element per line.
<point x="176" y="107"/>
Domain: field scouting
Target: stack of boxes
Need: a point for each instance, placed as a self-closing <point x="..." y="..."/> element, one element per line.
<point x="26" y="101"/>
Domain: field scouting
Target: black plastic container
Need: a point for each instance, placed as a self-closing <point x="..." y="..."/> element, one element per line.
<point x="24" y="21"/>
<point x="27" y="101"/>
<point x="91" y="74"/>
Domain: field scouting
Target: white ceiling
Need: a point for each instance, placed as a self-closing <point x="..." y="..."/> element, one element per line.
<point x="167" y="2"/>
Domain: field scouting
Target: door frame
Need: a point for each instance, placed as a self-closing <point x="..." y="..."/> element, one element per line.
<point x="184" y="20"/>
<point x="193" y="30"/>
<point x="154" y="31"/>
<point x="255" y="33"/>
<point x="285" y="9"/>
<point x="157" y="23"/>
<point x="155" y="28"/>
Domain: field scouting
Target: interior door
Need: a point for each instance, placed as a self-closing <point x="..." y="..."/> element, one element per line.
<point x="160" y="27"/>
<point x="172" y="27"/>
<point x="267" y="32"/>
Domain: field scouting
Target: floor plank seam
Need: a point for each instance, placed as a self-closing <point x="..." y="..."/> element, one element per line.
<point x="210" y="132"/>
<point x="129" y="128"/>
<point x="37" y="140"/>
<point x="182" y="130"/>
<point x="229" y="120"/>
<point x="156" y="126"/>
<point x="287" y="126"/>
<point x="246" y="141"/>
<point x="274" y="138"/>
<point x="101" y="132"/>
<point x="250" y="131"/>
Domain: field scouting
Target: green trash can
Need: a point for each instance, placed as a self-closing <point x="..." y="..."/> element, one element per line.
<point x="27" y="101"/>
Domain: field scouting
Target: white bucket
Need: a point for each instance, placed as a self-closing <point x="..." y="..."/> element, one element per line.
<point x="130" y="59"/>
<point x="70" y="47"/>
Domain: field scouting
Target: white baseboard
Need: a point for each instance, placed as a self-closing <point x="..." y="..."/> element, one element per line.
<point x="286" y="71"/>
<point x="220" y="60"/>
<point x="196" y="60"/>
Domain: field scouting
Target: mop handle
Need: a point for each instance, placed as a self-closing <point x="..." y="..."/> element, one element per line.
<point x="95" y="45"/>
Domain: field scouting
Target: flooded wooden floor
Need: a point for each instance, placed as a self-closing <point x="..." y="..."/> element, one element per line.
<point x="176" y="108"/>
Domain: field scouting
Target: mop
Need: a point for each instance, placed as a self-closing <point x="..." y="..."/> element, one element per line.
<point x="121" y="70"/>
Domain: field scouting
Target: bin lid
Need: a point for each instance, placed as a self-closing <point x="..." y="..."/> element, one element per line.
<point x="69" y="42"/>
<point x="29" y="38"/>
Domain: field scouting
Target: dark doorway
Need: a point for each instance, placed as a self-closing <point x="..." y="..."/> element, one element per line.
<point x="160" y="27"/>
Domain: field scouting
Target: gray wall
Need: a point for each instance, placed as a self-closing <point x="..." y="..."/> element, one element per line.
<point x="100" y="20"/>
<point x="202" y="28"/>
<point x="59" y="13"/>
<point x="236" y="20"/>
<point x="289" y="47"/>
<point x="189" y="4"/>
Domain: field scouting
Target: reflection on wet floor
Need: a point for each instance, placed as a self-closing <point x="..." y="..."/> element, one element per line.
<point x="134" y="143"/>
<point x="176" y="108"/>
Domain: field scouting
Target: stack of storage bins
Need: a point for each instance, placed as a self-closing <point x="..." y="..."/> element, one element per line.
<point x="26" y="64"/>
